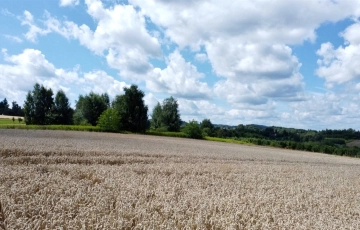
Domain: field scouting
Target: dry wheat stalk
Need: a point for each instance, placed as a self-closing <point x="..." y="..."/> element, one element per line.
<point x="74" y="180"/>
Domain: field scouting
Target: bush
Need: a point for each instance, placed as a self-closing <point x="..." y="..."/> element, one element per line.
<point x="193" y="130"/>
<point x="109" y="121"/>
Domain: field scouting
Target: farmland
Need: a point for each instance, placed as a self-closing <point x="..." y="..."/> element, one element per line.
<point x="83" y="180"/>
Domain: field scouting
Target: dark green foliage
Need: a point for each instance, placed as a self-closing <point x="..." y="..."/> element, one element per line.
<point x="90" y="107"/>
<point x="170" y="115"/>
<point x="63" y="113"/>
<point x="4" y="107"/>
<point x="156" y="117"/>
<point x="109" y="121"/>
<point x="193" y="130"/>
<point x="207" y="127"/>
<point x="16" y="110"/>
<point x="132" y="109"/>
<point x="38" y="106"/>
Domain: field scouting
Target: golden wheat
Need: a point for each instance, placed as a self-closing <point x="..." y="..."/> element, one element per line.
<point x="77" y="180"/>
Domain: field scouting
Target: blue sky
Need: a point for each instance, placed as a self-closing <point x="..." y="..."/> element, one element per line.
<point x="289" y="63"/>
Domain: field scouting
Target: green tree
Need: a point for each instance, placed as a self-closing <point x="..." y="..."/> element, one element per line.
<point x="156" y="117"/>
<point x="207" y="127"/>
<point x="193" y="130"/>
<point x="109" y="121"/>
<point x="38" y="106"/>
<point x="132" y="109"/>
<point x="63" y="113"/>
<point x="4" y="107"/>
<point x="170" y="115"/>
<point x="89" y="108"/>
<point x="16" y="110"/>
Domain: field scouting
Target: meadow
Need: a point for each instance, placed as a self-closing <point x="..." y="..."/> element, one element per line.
<point x="90" y="180"/>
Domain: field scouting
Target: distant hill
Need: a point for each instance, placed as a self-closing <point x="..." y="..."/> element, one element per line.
<point x="235" y="126"/>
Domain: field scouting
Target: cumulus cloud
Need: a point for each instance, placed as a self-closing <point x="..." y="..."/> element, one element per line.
<point x="200" y="109"/>
<point x="191" y="23"/>
<point x="100" y="82"/>
<point x="120" y="36"/>
<point x="256" y="73"/>
<point x="22" y="71"/>
<point x="69" y="2"/>
<point x="340" y="65"/>
<point x="179" y="78"/>
<point x="321" y="110"/>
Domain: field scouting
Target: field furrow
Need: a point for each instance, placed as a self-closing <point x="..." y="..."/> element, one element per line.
<point x="80" y="180"/>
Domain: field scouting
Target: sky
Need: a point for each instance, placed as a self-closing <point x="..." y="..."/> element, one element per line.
<point x="289" y="63"/>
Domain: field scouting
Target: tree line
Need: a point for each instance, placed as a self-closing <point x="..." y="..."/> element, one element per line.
<point x="325" y="141"/>
<point x="126" y="112"/>
<point x="15" y="110"/>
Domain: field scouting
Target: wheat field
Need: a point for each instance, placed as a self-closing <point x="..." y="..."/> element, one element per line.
<point x="81" y="180"/>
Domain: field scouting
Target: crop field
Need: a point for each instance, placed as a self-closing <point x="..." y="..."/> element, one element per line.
<point x="84" y="180"/>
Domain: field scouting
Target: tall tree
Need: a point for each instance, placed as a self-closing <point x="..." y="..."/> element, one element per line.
<point x="90" y="107"/>
<point x="4" y="107"/>
<point x="156" y="117"/>
<point x="170" y="115"/>
<point x="38" y="106"/>
<point x="63" y="113"/>
<point x="132" y="109"/>
<point x="16" y="110"/>
<point x="207" y="127"/>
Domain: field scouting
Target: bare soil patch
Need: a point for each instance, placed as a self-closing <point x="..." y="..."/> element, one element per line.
<point x="81" y="180"/>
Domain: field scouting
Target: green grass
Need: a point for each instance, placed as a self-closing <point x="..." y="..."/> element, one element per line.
<point x="53" y="127"/>
<point x="166" y="134"/>
<point x="242" y="142"/>
<point x="5" y="121"/>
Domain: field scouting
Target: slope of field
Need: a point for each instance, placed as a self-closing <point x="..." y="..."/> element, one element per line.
<point x="81" y="180"/>
<point x="353" y="143"/>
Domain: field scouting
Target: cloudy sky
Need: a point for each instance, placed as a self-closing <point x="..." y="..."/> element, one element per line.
<point x="291" y="63"/>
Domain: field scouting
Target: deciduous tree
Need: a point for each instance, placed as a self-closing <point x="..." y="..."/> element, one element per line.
<point x="90" y="107"/>
<point x="170" y="115"/>
<point x="63" y="113"/>
<point x="132" y="109"/>
<point x="38" y="106"/>
<point x="156" y="117"/>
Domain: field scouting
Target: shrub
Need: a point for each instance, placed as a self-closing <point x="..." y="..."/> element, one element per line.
<point x="109" y="121"/>
<point x="193" y="130"/>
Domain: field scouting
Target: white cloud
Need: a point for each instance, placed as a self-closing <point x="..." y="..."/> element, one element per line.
<point x="15" y="39"/>
<point x="199" y="110"/>
<point x="27" y="68"/>
<point x="255" y="72"/>
<point x="100" y="82"/>
<point x="34" y="30"/>
<point x="320" y="111"/>
<point x="201" y="57"/>
<point x="179" y="79"/>
<point x="151" y="101"/>
<point x="22" y="71"/>
<point x="251" y="61"/>
<point x="191" y="23"/>
<point x="69" y="2"/>
<point x="341" y="65"/>
<point x="120" y="36"/>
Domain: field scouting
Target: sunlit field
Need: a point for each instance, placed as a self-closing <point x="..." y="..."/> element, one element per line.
<point x="83" y="180"/>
